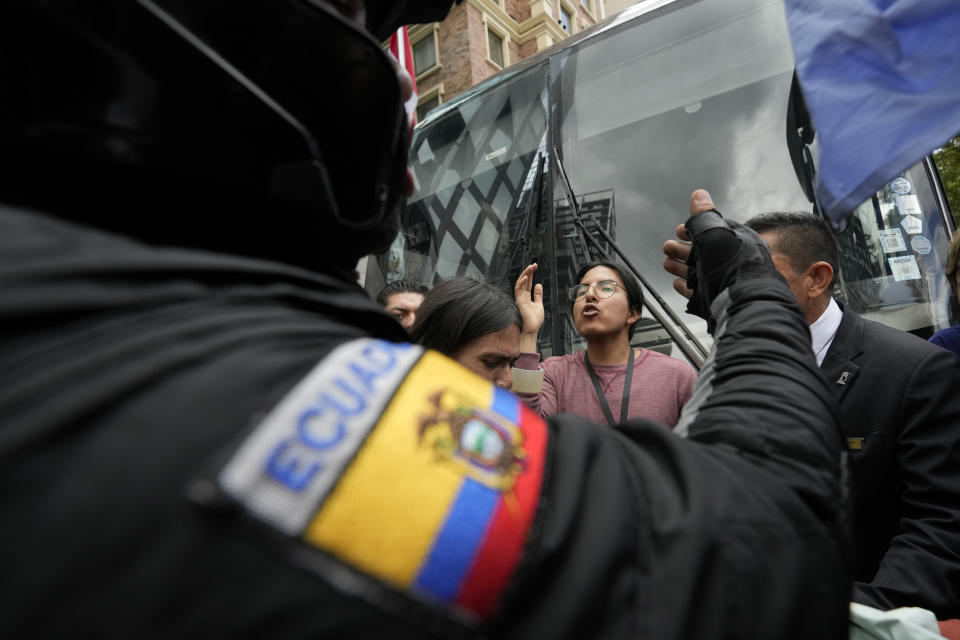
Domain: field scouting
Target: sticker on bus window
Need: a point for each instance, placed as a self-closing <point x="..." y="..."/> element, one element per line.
<point x="912" y="225"/>
<point x="892" y="241"/>
<point x="901" y="186"/>
<point x="921" y="245"/>
<point x="909" y="205"/>
<point x="904" y="268"/>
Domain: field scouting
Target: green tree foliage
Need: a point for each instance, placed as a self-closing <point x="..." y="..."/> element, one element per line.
<point x="947" y="160"/>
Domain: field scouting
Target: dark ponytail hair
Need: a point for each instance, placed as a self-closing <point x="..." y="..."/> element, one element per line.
<point x="459" y="310"/>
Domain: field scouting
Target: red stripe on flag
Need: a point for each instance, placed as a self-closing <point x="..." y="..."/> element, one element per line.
<point x="408" y="58"/>
<point x="500" y="551"/>
<point x="403" y="53"/>
<point x="393" y="44"/>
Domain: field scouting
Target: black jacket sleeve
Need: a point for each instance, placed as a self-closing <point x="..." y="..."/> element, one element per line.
<point x="133" y="376"/>
<point x="735" y="532"/>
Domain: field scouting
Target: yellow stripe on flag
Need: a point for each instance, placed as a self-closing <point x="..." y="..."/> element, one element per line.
<point x="393" y="499"/>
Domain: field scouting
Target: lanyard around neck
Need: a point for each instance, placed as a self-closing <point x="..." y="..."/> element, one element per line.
<point x="627" y="379"/>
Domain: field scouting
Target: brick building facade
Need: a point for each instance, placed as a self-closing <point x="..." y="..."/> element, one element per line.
<point x="480" y="37"/>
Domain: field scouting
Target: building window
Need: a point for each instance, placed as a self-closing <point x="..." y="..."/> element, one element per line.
<point x="586" y="4"/>
<point x="565" y="19"/>
<point x="426" y="105"/>
<point x="425" y="53"/>
<point x="495" y="44"/>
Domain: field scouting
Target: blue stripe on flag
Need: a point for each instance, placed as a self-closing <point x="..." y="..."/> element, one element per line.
<point x="457" y="543"/>
<point x="506" y="404"/>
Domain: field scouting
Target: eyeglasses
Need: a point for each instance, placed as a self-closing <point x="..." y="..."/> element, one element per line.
<point x="602" y="289"/>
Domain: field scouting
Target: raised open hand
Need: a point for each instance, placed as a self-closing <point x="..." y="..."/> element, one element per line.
<point x="529" y="300"/>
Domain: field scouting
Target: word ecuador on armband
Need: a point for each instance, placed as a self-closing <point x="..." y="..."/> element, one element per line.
<point x="403" y="466"/>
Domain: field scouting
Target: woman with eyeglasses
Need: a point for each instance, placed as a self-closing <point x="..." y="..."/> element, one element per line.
<point x="611" y="381"/>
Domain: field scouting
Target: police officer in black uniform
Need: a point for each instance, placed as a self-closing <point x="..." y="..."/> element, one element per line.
<point x="208" y="430"/>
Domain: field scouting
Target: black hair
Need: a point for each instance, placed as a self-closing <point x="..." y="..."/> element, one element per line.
<point x="459" y="310"/>
<point x="401" y="286"/>
<point x="804" y="238"/>
<point x="953" y="258"/>
<point x="630" y="285"/>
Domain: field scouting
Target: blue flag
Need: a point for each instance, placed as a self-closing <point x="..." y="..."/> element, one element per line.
<point x="882" y="82"/>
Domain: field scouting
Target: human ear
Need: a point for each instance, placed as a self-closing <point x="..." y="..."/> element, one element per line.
<point x="820" y="276"/>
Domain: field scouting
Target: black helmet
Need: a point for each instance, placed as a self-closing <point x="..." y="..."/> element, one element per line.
<point x="266" y="127"/>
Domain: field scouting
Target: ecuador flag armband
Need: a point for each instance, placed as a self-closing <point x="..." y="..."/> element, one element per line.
<point x="403" y="466"/>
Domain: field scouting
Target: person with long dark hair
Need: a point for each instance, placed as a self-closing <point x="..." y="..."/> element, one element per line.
<point x="949" y="338"/>
<point x="611" y="381"/>
<point x="474" y="323"/>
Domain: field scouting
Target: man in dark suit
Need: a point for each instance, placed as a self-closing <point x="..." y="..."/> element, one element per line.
<point x="899" y="401"/>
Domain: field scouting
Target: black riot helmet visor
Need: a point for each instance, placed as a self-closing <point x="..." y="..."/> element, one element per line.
<point x="274" y="101"/>
<point x="328" y="81"/>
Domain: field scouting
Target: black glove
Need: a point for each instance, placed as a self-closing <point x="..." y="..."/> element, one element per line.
<point x="723" y="252"/>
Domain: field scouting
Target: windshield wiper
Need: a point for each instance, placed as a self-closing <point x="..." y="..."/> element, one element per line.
<point x="533" y="213"/>
<point x="695" y="353"/>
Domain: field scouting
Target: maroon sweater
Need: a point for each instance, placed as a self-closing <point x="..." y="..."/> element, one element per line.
<point x="661" y="386"/>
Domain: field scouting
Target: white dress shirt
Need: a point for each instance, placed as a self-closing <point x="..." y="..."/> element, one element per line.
<point x="823" y="330"/>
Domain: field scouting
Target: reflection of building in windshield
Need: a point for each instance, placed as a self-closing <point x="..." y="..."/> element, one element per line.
<point x="574" y="249"/>
<point x="879" y="236"/>
<point x="860" y="267"/>
<point x="468" y="222"/>
<point x="472" y="166"/>
<point x="686" y="95"/>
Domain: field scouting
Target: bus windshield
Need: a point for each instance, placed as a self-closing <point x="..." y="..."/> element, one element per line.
<point x="651" y="106"/>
